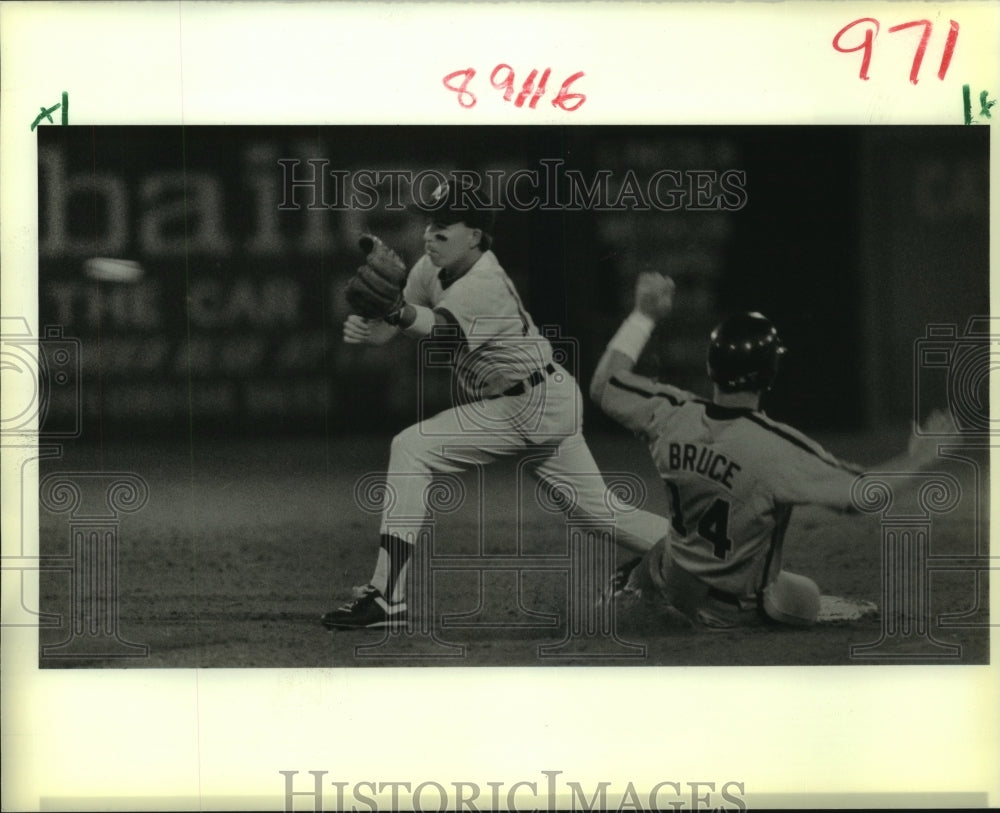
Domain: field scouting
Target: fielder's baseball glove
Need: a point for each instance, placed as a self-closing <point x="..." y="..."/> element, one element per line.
<point x="376" y="290"/>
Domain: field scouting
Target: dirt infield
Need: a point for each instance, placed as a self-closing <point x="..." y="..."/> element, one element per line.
<point x="243" y="545"/>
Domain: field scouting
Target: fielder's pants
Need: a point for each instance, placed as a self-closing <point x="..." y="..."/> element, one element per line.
<point x="546" y="419"/>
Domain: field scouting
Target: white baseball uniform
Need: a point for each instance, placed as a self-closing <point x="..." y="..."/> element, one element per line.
<point x="514" y="398"/>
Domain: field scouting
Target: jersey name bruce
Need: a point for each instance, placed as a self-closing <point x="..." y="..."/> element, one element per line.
<point x="703" y="461"/>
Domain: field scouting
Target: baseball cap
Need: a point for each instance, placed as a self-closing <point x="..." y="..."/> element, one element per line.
<point x="450" y="203"/>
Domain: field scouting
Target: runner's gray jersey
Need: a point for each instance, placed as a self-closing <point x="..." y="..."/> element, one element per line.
<point x="733" y="476"/>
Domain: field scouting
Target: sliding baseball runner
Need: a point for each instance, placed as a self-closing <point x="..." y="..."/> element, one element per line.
<point x="733" y="474"/>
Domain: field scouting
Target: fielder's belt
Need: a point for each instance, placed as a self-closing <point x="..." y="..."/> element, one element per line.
<point x="521" y="387"/>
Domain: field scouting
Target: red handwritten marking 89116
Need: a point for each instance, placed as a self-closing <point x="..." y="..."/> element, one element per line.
<point x="871" y="28"/>
<point x="502" y="78"/>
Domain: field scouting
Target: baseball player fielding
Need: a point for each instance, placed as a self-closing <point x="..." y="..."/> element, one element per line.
<point x="514" y="396"/>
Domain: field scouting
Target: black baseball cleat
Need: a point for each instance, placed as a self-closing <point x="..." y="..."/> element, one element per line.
<point x="619" y="581"/>
<point x="369" y="609"/>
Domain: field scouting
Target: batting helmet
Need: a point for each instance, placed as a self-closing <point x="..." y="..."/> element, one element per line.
<point x="743" y="353"/>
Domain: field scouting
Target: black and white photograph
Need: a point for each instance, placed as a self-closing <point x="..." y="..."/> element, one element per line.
<point x="521" y="396"/>
<point x="428" y="406"/>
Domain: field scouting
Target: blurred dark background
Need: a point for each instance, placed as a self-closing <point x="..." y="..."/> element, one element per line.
<point x="852" y="239"/>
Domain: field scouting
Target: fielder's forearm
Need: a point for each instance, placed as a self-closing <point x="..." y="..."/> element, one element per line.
<point x="417" y="321"/>
<point x="380" y="333"/>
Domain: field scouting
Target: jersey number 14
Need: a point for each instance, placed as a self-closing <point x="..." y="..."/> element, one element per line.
<point x="713" y="525"/>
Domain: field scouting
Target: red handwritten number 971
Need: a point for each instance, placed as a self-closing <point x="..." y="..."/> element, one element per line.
<point x="871" y="31"/>
<point x="502" y="78"/>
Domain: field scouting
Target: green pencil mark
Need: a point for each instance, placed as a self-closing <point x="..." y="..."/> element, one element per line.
<point x="985" y="105"/>
<point x="48" y="111"/>
<point x="45" y="114"/>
